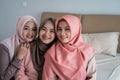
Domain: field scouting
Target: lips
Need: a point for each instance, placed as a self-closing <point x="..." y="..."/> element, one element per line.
<point x="30" y="37"/>
<point x="45" y="37"/>
<point x="63" y="37"/>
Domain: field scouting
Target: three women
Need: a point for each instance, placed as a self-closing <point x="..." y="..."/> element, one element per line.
<point x="69" y="58"/>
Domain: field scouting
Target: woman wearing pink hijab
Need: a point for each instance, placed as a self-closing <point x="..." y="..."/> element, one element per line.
<point x="10" y="61"/>
<point x="69" y="58"/>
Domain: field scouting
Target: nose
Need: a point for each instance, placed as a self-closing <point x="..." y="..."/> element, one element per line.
<point x="47" y="33"/>
<point x="63" y="32"/>
<point x="30" y="31"/>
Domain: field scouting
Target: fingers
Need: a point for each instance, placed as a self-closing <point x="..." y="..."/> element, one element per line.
<point x="22" y="50"/>
<point x="25" y="45"/>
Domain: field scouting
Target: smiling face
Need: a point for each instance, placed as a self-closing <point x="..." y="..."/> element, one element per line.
<point x="63" y="32"/>
<point x="29" y="31"/>
<point x="47" y="33"/>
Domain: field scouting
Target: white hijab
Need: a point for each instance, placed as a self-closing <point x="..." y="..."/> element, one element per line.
<point x="12" y="42"/>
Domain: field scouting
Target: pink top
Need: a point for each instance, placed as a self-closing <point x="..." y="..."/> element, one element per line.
<point x="68" y="61"/>
<point x="27" y="70"/>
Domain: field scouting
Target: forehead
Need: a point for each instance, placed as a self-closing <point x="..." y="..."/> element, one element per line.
<point x="63" y="23"/>
<point x="30" y="24"/>
<point x="49" y="24"/>
<point x="31" y="21"/>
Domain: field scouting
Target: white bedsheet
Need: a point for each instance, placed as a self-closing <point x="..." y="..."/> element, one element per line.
<point x="106" y="65"/>
<point x="115" y="75"/>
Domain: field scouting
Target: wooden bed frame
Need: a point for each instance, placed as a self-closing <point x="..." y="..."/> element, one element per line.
<point x="93" y="23"/>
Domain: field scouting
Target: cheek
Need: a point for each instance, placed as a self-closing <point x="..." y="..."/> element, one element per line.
<point x="69" y="35"/>
<point x="23" y="33"/>
<point x="53" y="36"/>
<point x="41" y="33"/>
<point x="58" y="33"/>
<point x="35" y="33"/>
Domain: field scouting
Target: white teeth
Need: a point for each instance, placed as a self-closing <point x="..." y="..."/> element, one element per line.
<point x="29" y="36"/>
<point x="45" y="38"/>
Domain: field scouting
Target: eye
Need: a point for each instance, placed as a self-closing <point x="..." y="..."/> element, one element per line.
<point x="34" y="29"/>
<point x="43" y="28"/>
<point x="52" y="31"/>
<point x="26" y="28"/>
<point x="59" y="29"/>
<point x="67" y="28"/>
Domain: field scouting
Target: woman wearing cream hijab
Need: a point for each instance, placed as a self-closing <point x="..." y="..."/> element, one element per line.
<point x="26" y="30"/>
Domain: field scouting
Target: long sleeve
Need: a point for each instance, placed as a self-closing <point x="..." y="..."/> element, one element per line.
<point x="91" y="69"/>
<point x="7" y="68"/>
<point x="20" y="75"/>
<point x="27" y="70"/>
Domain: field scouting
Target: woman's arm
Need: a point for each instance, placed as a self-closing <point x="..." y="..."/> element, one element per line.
<point x="91" y="69"/>
<point x="21" y="75"/>
<point x="7" y="68"/>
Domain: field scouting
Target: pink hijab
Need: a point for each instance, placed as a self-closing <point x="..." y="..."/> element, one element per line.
<point x="12" y="42"/>
<point x="67" y="61"/>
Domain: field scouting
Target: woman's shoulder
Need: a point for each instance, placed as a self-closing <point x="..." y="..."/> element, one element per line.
<point x="3" y="48"/>
<point x="4" y="52"/>
<point x="85" y="46"/>
<point x="87" y="49"/>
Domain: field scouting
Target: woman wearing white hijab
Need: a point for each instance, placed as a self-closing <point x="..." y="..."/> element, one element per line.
<point x="10" y="61"/>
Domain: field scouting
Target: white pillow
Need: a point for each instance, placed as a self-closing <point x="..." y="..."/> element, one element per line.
<point x="104" y="43"/>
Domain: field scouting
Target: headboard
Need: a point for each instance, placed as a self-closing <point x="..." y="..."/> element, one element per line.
<point x="93" y="23"/>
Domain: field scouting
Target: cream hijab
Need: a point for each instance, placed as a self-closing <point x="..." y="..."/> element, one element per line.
<point x="12" y="42"/>
<point x="67" y="60"/>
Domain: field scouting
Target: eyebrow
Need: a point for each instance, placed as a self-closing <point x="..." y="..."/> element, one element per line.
<point x="26" y="26"/>
<point x="32" y="27"/>
<point x="43" y="27"/>
<point x="64" y="26"/>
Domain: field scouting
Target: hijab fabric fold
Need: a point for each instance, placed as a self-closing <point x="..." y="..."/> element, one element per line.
<point x="38" y="50"/>
<point x="67" y="61"/>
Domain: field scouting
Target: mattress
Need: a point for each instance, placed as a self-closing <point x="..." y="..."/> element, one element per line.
<point x="106" y="66"/>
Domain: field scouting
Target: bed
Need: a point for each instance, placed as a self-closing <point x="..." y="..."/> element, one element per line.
<point x="101" y="32"/>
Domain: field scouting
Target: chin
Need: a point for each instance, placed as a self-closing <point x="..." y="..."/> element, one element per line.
<point x="29" y="40"/>
<point x="63" y="41"/>
<point x="46" y="42"/>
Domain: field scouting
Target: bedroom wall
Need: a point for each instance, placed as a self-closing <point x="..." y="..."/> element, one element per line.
<point x="11" y="10"/>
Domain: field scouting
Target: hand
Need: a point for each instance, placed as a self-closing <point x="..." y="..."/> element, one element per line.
<point x="22" y="50"/>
